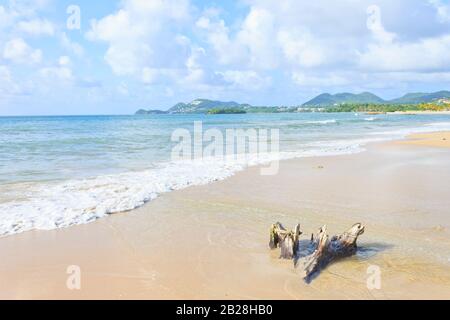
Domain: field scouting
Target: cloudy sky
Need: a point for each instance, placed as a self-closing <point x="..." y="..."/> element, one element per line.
<point x="113" y="57"/>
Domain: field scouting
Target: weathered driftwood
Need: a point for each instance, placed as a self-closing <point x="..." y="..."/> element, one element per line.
<point x="317" y="246"/>
<point x="286" y="240"/>
<point x="324" y="250"/>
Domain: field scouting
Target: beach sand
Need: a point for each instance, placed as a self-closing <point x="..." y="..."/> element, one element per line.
<point x="438" y="139"/>
<point x="211" y="242"/>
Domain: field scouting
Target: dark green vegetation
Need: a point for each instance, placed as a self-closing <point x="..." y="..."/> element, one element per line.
<point x="226" y="111"/>
<point x="388" y="107"/>
<point x="142" y="111"/>
<point x="341" y="102"/>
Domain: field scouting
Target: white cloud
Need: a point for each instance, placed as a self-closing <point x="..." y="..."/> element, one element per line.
<point x="191" y="74"/>
<point x="300" y="48"/>
<point x="18" y="51"/>
<point x="150" y="75"/>
<point x="284" y="36"/>
<point x="64" y="61"/>
<point x="443" y="10"/>
<point x="70" y="45"/>
<point x="139" y="34"/>
<point x="195" y="72"/>
<point x="251" y="45"/>
<point x="217" y="35"/>
<point x="425" y="55"/>
<point x="390" y="54"/>
<point x="8" y="87"/>
<point x="256" y="35"/>
<point x="249" y="80"/>
<point x="412" y="77"/>
<point x="375" y="25"/>
<point x="323" y="80"/>
<point x="276" y="35"/>
<point x="15" y="10"/>
<point x="61" y="72"/>
<point x="27" y="7"/>
<point x="36" y="27"/>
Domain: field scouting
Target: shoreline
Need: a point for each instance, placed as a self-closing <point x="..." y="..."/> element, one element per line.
<point x="425" y="112"/>
<point x="211" y="241"/>
<point x="89" y="214"/>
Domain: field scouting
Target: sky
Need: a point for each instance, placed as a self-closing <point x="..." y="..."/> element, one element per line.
<point x="113" y="57"/>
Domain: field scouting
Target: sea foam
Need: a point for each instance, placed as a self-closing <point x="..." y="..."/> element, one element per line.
<point x="58" y="205"/>
<point x="319" y="122"/>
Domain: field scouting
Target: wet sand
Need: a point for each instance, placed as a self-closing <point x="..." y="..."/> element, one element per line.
<point x="211" y="242"/>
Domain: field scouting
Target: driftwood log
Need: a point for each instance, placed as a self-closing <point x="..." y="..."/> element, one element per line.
<point x="325" y="250"/>
<point x="309" y="259"/>
<point x="287" y="241"/>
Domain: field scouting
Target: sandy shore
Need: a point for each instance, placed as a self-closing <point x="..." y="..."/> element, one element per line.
<point x="420" y="112"/>
<point x="438" y="139"/>
<point x="210" y="242"/>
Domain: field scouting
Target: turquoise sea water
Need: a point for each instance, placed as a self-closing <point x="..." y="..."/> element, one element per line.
<point x="60" y="171"/>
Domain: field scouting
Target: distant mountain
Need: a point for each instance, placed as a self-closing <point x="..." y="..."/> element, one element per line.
<point x="142" y="111"/>
<point x="415" y="98"/>
<point x="204" y="105"/>
<point x="198" y="106"/>
<point x="321" y="101"/>
<point x="327" y="99"/>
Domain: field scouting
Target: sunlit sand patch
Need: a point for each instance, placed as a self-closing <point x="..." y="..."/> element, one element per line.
<point x="434" y="139"/>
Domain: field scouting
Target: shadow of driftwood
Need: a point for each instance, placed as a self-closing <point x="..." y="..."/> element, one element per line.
<point x="364" y="251"/>
<point x="368" y="250"/>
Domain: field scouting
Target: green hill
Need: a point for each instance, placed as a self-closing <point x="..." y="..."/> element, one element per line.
<point x="415" y="98"/>
<point x="327" y="99"/>
<point x="204" y="105"/>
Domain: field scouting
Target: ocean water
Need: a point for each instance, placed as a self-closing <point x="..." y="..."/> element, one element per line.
<point x="61" y="171"/>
